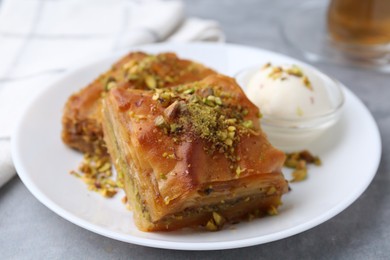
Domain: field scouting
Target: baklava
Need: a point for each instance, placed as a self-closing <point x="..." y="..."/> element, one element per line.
<point x="81" y="120"/>
<point x="192" y="155"/>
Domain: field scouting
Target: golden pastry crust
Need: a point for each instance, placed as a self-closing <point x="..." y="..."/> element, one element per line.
<point x="81" y="120"/>
<point x="190" y="153"/>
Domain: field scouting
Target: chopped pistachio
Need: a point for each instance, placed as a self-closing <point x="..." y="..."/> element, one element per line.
<point x="209" y="102"/>
<point x="189" y="91"/>
<point x="132" y="77"/>
<point x="231" y="121"/>
<point x="290" y="163"/>
<point x="299" y="175"/>
<point x="160" y="121"/>
<point x="172" y="110"/>
<point x="218" y="101"/>
<point x="150" y="81"/>
<point x="275" y="73"/>
<point x="155" y="96"/>
<point x="307" y="83"/>
<point x="194" y="99"/>
<point x="164" y="99"/>
<point x="134" y="69"/>
<point x="169" y="155"/>
<point x="110" y="84"/>
<point x="129" y="64"/>
<point x="219" y="220"/>
<point x="174" y="127"/>
<point x="95" y="171"/>
<point x="298" y="161"/>
<point x="229" y="142"/>
<point x="248" y="124"/>
<point x="295" y="71"/>
<point x="166" y="95"/>
<point x="272" y="211"/>
<point x="211" y="226"/>
<point x="211" y="98"/>
<point x="222" y="134"/>
<point x="317" y="161"/>
<point x="109" y="193"/>
<point x="105" y="167"/>
<point x="231" y="128"/>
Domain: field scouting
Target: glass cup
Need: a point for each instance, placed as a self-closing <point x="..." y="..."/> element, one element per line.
<point x="360" y="28"/>
<point x="348" y="32"/>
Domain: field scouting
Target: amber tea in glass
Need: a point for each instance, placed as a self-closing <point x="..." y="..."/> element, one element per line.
<point x="363" y="23"/>
<point x="346" y="32"/>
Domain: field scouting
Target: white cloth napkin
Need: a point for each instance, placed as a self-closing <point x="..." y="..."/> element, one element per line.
<point x="40" y="39"/>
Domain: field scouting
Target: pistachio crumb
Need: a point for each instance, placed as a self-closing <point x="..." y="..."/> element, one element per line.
<point x="95" y="171"/>
<point x="299" y="175"/>
<point x="211" y="226"/>
<point x="155" y="96"/>
<point x="307" y="83"/>
<point x="248" y="124"/>
<point x="272" y="211"/>
<point x="216" y="222"/>
<point x="219" y="220"/>
<point x="299" y="161"/>
<point x="295" y="71"/>
<point x="150" y="81"/>
<point x="159" y="121"/>
<point x="189" y="91"/>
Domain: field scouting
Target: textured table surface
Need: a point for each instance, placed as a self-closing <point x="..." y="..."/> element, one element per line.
<point x="30" y="230"/>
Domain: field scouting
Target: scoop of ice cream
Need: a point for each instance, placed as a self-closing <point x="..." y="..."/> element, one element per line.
<point x="288" y="91"/>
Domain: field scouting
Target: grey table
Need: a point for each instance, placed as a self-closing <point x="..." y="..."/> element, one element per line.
<point x="30" y="230"/>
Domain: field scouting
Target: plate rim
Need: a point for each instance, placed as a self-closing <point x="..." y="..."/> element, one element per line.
<point x="22" y="172"/>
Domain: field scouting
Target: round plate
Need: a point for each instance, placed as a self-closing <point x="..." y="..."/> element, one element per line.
<point x="43" y="162"/>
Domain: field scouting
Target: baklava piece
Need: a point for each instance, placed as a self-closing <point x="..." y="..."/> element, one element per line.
<point x="192" y="155"/>
<point x="81" y="120"/>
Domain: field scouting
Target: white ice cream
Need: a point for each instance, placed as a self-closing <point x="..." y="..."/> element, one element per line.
<point x="288" y="91"/>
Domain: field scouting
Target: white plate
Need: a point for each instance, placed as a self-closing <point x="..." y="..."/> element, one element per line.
<point x="43" y="163"/>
